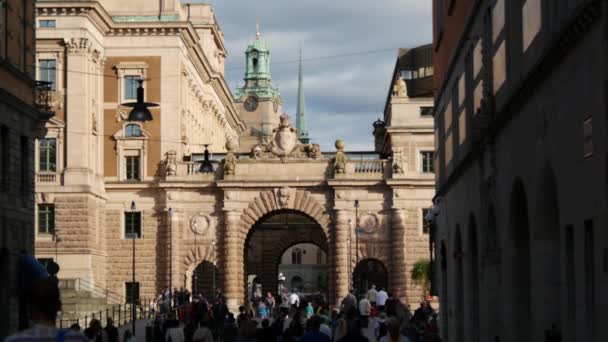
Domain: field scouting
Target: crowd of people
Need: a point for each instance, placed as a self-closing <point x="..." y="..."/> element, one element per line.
<point x="377" y="316"/>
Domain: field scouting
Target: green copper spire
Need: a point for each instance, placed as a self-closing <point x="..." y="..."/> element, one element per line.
<point x="257" y="74"/>
<point x="300" y="116"/>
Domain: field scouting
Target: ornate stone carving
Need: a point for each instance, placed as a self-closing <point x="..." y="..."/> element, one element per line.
<point x="341" y="159"/>
<point x="200" y="223"/>
<point x="121" y="115"/>
<point x="230" y="195"/>
<point x="231" y="160"/>
<point x="398" y="163"/>
<point x="370" y="223"/>
<point x="171" y="163"/>
<point x="284" y="144"/>
<point x="400" y="88"/>
<point x="77" y="45"/>
<point x="283" y="196"/>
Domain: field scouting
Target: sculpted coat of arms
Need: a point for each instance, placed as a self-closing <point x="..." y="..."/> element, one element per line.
<point x="285" y="144"/>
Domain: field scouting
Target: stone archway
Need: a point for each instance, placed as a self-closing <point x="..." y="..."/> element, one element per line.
<point x="239" y="223"/>
<point x="195" y="257"/>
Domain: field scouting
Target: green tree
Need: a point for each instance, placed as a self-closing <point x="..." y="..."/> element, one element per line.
<point x="421" y="274"/>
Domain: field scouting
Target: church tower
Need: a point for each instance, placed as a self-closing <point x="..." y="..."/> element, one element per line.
<point x="259" y="103"/>
<point x="300" y="115"/>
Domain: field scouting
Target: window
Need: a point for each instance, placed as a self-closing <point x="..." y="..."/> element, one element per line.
<point x="47" y="23"/>
<point x="532" y="21"/>
<point x="426" y="111"/>
<point x="296" y="256"/>
<point x="48" y="72"/>
<point x="47" y="158"/>
<point x="406" y="74"/>
<point x="46" y="219"/>
<point x="132" y="224"/>
<point x="132" y="292"/>
<point x="132" y="167"/>
<point x="426" y="225"/>
<point x="132" y="130"/>
<point x="25" y="161"/>
<point x="427" y="161"/>
<point x="131" y="85"/>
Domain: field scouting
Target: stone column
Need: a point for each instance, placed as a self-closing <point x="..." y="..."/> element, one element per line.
<point x="398" y="266"/>
<point x="173" y="236"/>
<point x="340" y="257"/>
<point x="232" y="260"/>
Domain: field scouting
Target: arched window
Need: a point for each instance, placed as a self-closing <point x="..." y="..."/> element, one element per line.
<point x="296" y="256"/>
<point x="132" y="130"/>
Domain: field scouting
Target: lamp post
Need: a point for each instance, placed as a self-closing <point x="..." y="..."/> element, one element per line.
<point x="140" y="111"/>
<point x="195" y="275"/>
<point x="133" y="236"/>
<point x="213" y="282"/>
<point x="357" y="244"/>
<point x="170" y="211"/>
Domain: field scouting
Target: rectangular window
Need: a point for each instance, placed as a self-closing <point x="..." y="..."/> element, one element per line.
<point x="462" y="127"/>
<point x="461" y="91"/>
<point x="477" y="59"/>
<point x="589" y="273"/>
<point x="531" y="20"/>
<point x="132" y="224"/>
<point x="588" y="137"/>
<point x="406" y="74"/>
<point x="132" y="292"/>
<point x="449" y="148"/>
<point x="427" y="158"/>
<point x="48" y="72"/>
<point x="46" y="219"/>
<point x="132" y="167"/>
<point x="426" y="225"/>
<point x="25" y="162"/>
<point x="131" y="85"/>
<point x="498" y="19"/>
<point x="447" y="117"/>
<point x="426" y="111"/>
<point x="47" y="155"/>
<point x="47" y="23"/>
<point x="477" y="96"/>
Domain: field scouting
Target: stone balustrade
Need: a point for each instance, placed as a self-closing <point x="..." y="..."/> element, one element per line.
<point x="47" y="178"/>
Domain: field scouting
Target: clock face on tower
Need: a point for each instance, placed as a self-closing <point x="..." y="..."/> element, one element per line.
<point x="251" y="103"/>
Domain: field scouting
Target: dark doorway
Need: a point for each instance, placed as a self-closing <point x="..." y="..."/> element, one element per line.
<point x="205" y="279"/>
<point x="367" y="273"/>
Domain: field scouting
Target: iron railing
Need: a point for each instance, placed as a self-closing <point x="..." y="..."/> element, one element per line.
<point x="79" y="284"/>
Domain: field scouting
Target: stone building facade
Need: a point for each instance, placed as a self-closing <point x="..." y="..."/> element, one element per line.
<point x="22" y="117"/>
<point x="519" y="217"/>
<point x="113" y="178"/>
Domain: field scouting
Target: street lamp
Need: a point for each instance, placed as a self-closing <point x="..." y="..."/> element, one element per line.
<point x="195" y="276"/>
<point x="213" y="283"/>
<point x="206" y="166"/>
<point x="140" y="111"/>
<point x="170" y="211"/>
<point x="357" y="231"/>
<point x="133" y="236"/>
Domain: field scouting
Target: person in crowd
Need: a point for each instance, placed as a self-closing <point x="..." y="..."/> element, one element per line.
<point x="189" y="330"/>
<point x="295" y="329"/>
<point x="371" y="295"/>
<point x="270" y="303"/>
<point x="312" y="334"/>
<point x="354" y="332"/>
<point x="128" y="336"/>
<point x="421" y="314"/>
<point x="265" y="333"/>
<point x="341" y="328"/>
<point x="174" y="332"/>
<point x="349" y="303"/>
<point x="294" y="302"/>
<point x="111" y="330"/>
<point x="381" y="326"/>
<point x="278" y="326"/>
<point x="94" y="332"/>
<point x="325" y="328"/>
<point x="394" y="334"/>
<point x="246" y="330"/>
<point x="381" y="298"/>
<point x="263" y="310"/>
<point x="310" y="311"/>
<point x="365" y="308"/>
<point x="43" y="301"/>
<point x="203" y="333"/>
<point x="230" y="330"/>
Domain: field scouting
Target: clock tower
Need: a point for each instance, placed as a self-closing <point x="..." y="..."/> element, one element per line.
<point x="259" y="103"/>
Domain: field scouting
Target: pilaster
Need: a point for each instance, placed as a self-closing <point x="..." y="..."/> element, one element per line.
<point x="398" y="271"/>
<point x="340" y="257"/>
<point x="232" y="260"/>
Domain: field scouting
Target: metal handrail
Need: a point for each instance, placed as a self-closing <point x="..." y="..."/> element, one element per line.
<point x="81" y="284"/>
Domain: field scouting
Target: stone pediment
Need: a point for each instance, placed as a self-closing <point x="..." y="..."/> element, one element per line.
<point x="285" y="145"/>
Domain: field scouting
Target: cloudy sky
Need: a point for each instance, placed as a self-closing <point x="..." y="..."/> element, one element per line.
<point x="349" y="49"/>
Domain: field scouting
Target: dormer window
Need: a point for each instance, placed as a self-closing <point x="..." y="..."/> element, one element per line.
<point x="132" y="130"/>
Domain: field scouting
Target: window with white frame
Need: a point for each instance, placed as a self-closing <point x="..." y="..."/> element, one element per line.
<point x="296" y="256"/>
<point x="47" y="155"/>
<point x="128" y="75"/>
<point x="46" y="219"/>
<point x="48" y="72"/>
<point x="131" y="148"/>
<point x="426" y="161"/>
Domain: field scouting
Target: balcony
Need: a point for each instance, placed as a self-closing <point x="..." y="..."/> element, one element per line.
<point x="47" y="178"/>
<point x="43" y="98"/>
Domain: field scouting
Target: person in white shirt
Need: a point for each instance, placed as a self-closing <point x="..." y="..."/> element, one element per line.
<point x="365" y="308"/>
<point x="371" y="295"/>
<point x="393" y="332"/>
<point x="294" y="302"/>
<point x="381" y="298"/>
